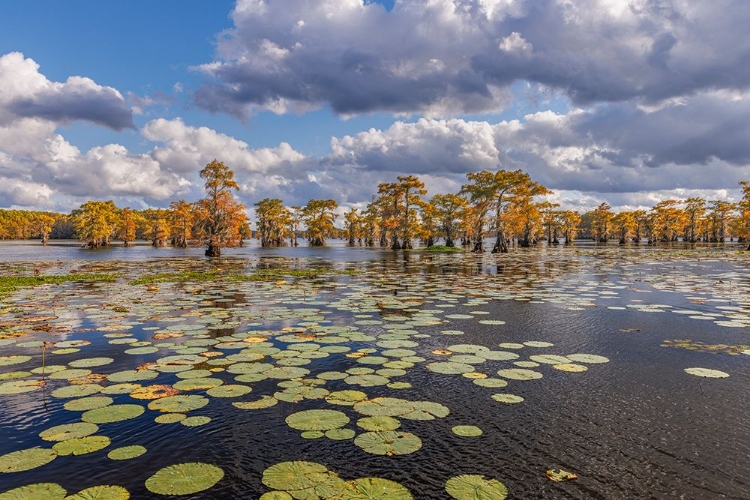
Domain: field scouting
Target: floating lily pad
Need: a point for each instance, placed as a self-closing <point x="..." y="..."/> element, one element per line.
<point x="82" y="445"/>
<point x="184" y="479"/>
<point x="297" y="475"/>
<point x="68" y="431"/>
<point x="132" y="376"/>
<point x="229" y="391"/>
<point x="90" y="403"/>
<point x="374" y="488"/>
<point x="466" y="430"/>
<point x="154" y="392"/>
<point x="379" y="423"/>
<point x="450" y="368"/>
<point x="475" y="487"/>
<point x="195" y="421"/>
<point x="90" y="362"/>
<point x="179" y="403"/>
<point x="549" y="359"/>
<point x="170" y="418"/>
<point x="507" y="398"/>
<point x="198" y="384"/>
<point x="13" y="360"/>
<point x="76" y="391"/>
<point x="346" y="398"/>
<point x="388" y="442"/>
<point x="126" y="452"/>
<point x="570" y="367"/>
<point x="706" y="373"/>
<point x="105" y="492"/>
<point x="39" y="491"/>
<point x="317" y="420"/>
<point x="519" y="374"/>
<point x="340" y="434"/>
<point x="113" y="413"/>
<point x="20" y="386"/>
<point x="263" y="402"/>
<point x="559" y="475"/>
<point x="23" y="460"/>
<point x="14" y="375"/>
<point x="587" y="358"/>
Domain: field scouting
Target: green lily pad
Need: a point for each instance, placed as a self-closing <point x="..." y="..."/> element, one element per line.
<point x="197" y="384"/>
<point x="587" y="358"/>
<point x="178" y="404"/>
<point x="549" y="359"/>
<point x="340" y="434"/>
<point x="39" y="491"/>
<point x="89" y="403"/>
<point x="132" y="376"/>
<point x="466" y="430"/>
<point x="317" y="420"/>
<point x="14" y="375"/>
<point x="76" y="390"/>
<point x="195" y="421"/>
<point x="312" y="434"/>
<point x="184" y="479"/>
<point x="23" y="460"/>
<point x="389" y="407"/>
<point x="519" y="374"/>
<point x="113" y="413"/>
<point x="229" y="391"/>
<point x="346" y="397"/>
<point x="706" y="373"/>
<point x="19" y="386"/>
<point x="126" y="452"/>
<point x="379" y="423"/>
<point x="507" y="398"/>
<point x="90" y="362"/>
<point x="82" y="445"/>
<point x="475" y="487"/>
<point x="68" y="431"/>
<point x="13" y="360"/>
<point x="263" y="402"/>
<point x="297" y="475"/>
<point x="70" y="373"/>
<point x="450" y="368"/>
<point x="388" y="442"/>
<point x="375" y="488"/>
<point x="570" y="367"/>
<point x="490" y="382"/>
<point x="105" y="492"/>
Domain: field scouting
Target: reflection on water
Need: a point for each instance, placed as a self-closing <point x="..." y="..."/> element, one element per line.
<point x="635" y="427"/>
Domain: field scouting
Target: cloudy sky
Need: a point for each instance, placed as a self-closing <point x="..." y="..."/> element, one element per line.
<point x="628" y="102"/>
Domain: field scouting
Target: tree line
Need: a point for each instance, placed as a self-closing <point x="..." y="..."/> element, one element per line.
<point x="507" y="206"/>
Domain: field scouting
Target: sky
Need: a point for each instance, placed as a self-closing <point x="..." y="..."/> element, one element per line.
<point x="624" y="102"/>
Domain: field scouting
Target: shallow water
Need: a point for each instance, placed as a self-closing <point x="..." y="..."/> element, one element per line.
<point x="638" y="426"/>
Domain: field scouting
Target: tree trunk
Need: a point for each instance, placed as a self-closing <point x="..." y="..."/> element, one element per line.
<point x="213" y="249"/>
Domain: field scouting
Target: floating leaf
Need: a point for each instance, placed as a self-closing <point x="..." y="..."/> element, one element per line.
<point x="379" y="423"/>
<point x="475" y="487"/>
<point x="374" y="488"/>
<point x="346" y="398"/>
<point x="588" y="358"/>
<point x="263" y="402"/>
<point x="126" y="452"/>
<point x="20" y="386"/>
<point x="90" y="403"/>
<point x="184" y="479"/>
<point x="23" y="460"/>
<point x="340" y="434"/>
<point x="132" y="376"/>
<point x="105" y="492"/>
<point x="90" y="362"/>
<point x="170" y="418"/>
<point x="490" y="382"/>
<point x="450" y="368"/>
<point x="317" y="420"/>
<point x="13" y="360"/>
<point x="229" y="391"/>
<point x="466" y="430"/>
<point x="197" y="384"/>
<point x="706" y="373"/>
<point x="519" y="374"/>
<point x="154" y="392"/>
<point x="507" y="398"/>
<point x="558" y="475"/>
<point x="68" y="431"/>
<point x="82" y="445"/>
<point x="297" y="475"/>
<point x="570" y="367"/>
<point x="549" y="359"/>
<point x="113" y="413"/>
<point x="39" y="491"/>
<point x="388" y="442"/>
<point x="178" y="404"/>
<point x="195" y="421"/>
<point x="312" y="434"/>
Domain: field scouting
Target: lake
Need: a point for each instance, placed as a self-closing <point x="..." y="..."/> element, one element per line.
<point x="307" y="372"/>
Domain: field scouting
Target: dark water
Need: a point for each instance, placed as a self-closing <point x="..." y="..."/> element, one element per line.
<point x="635" y="427"/>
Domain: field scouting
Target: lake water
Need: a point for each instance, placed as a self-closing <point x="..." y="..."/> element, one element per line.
<point x="390" y="325"/>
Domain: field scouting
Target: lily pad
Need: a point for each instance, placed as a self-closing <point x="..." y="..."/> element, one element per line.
<point x="706" y="373"/>
<point x="20" y="386"/>
<point x="105" y="492"/>
<point x="179" y="403"/>
<point x="570" y="367"/>
<point x="466" y="430"/>
<point x="519" y="374"/>
<point x="113" y="413"/>
<point x="475" y="487"/>
<point x="90" y="362"/>
<point x="317" y="420"/>
<point x="126" y="452"/>
<point x="76" y="391"/>
<point x="450" y="368"/>
<point x="68" y="431"/>
<point x="297" y="475"/>
<point x="379" y="423"/>
<point x="263" y="402"/>
<point x="346" y="398"/>
<point x="39" y="491"/>
<point x="13" y="360"/>
<point x="587" y="358"/>
<point x="82" y="445"/>
<point x="229" y="391"/>
<point x="340" y="434"/>
<point x="184" y="479"/>
<point x="388" y="442"/>
<point x="507" y="398"/>
<point x="90" y="403"/>
<point x="23" y="460"/>
<point x="375" y="488"/>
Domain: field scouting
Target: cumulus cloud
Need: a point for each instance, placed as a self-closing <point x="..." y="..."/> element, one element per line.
<point x="26" y="93"/>
<point x="447" y="57"/>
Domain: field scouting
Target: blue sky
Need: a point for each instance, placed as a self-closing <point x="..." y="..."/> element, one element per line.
<point x="604" y="100"/>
